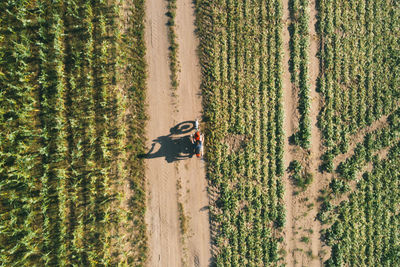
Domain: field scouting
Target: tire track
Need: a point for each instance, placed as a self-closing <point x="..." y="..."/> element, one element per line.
<point x="162" y="213"/>
<point x="320" y="180"/>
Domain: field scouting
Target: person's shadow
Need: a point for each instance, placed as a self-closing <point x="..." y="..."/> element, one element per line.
<point x="173" y="146"/>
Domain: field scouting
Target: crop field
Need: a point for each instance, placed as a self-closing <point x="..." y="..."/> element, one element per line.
<point x="242" y="88"/>
<point x="364" y="229"/>
<point x="72" y="79"/>
<point x="298" y="101"/>
<point x="359" y="79"/>
<point x="359" y="121"/>
<point x="359" y="89"/>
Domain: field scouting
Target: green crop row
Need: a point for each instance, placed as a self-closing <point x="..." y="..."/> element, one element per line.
<point x="299" y="46"/>
<point x="173" y="48"/>
<point x="240" y="55"/>
<point x="64" y="155"/>
<point x="358" y="79"/>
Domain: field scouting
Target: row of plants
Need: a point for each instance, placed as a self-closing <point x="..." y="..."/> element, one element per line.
<point x="173" y="44"/>
<point x="298" y="65"/>
<point x="64" y="132"/>
<point x="299" y="175"/>
<point x="358" y="77"/>
<point x="240" y="55"/>
<point x="364" y="228"/>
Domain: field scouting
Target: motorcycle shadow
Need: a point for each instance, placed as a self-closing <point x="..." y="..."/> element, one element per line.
<point x="171" y="146"/>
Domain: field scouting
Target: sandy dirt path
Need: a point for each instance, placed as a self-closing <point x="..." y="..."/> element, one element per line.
<point x="192" y="171"/>
<point x="168" y="160"/>
<point x="162" y="213"/>
<point x="302" y="207"/>
<point x="289" y="121"/>
<point x="320" y="180"/>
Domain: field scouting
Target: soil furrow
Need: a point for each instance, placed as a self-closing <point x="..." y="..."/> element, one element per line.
<point x="289" y="106"/>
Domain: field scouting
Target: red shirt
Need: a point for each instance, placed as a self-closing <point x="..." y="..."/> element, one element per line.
<point x="197" y="136"/>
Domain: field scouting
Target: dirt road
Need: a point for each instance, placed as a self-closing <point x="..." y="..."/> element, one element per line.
<point x="289" y="122"/>
<point x="192" y="171"/>
<point x="169" y="158"/>
<point x="302" y="230"/>
<point x="320" y="180"/>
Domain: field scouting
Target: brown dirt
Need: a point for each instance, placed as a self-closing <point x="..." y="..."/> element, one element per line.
<point x="320" y="180"/>
<point x="302" y="207"/>
<point x="162" y="212"/>
<point x="192" y="171"/>
<point x="167" y="165"/>
<point x="235" y="142"/>
<point x="289" y="122"/>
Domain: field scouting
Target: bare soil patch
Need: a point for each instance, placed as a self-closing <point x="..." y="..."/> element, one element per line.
<point x="189" y="106"/>
<point x="235" y="142"/>
<point x="162" y="213"/>
<point x="320" y="180"/>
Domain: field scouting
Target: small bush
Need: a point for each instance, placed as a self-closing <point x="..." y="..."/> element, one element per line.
<point x="300" y="178"/>
<point x="305" y="239"/>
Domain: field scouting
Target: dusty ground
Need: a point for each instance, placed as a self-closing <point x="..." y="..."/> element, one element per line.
<point x="162" y="212"/>
<point x="192" y="171"/>
<point x="320" y="180"/>
<point x="289" y="122"/>
<point x="302" y="237"/>
<point x="169" y="158"/>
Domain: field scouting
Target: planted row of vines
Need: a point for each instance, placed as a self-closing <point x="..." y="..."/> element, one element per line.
<point x="359" y="83"/>
<point x="72" y="80"/>
<point x="240" y="54"/>
<point x="298" y="66"/>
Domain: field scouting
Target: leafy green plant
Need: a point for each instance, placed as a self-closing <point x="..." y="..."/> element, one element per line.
<point x="305" y="239"/>
<point x="300" y="178"/>
<point x="298" y="65"/>
<point x="353" y="83"/>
